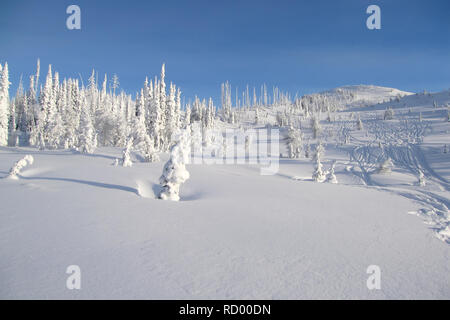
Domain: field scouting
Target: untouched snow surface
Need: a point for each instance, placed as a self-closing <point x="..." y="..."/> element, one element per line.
<point x="236" y="234"/>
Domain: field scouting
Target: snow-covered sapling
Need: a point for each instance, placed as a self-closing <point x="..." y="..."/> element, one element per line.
<point x="318" y="175"/>
<point x="126" y="157"/>
<point x="174" y="172"/>
<point x="19" y="165"/>
<point x="331" y="177"/>
<point x="386" y="166"/>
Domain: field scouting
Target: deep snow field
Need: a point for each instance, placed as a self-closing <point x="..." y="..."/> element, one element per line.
<point x="236" y="234"/>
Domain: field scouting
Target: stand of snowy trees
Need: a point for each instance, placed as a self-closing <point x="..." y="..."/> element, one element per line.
<point x="67" y="115"/>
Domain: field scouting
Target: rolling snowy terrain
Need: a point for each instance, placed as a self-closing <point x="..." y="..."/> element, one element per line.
<point x="236" y="234"/>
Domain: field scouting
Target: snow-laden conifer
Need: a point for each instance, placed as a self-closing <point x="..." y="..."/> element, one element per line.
<point x="294" y="142"/>
<point x="142" y="142"/>
<point x="126" y="154"/>
<point x="4" y="104"/>
<point x="318" y="174"/>
<point x="88" y="138"/>
<point x="174" y="172"/>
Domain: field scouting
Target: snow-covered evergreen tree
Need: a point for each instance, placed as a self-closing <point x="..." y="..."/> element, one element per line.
<point x="294" y="142"/>
<point x="55" y="126"/>
<point x="32" y="115"/>
<point x="4" y="104"/>
<point x="47" y="111"/>
<point x="126" y="154"/>
<point x="172" y="115"/>
<point x="156" y="115"/>
<point x="226" y="102"/>
<point x="141" y="140"/>
<point x="14" y="106"/>
<point x="174" y="172"/>
<point x="88" y="137"/>
<point x="318" y="175"/>
<point x="187" y="116"/>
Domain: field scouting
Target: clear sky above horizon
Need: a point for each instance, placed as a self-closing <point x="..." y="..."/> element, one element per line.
<point x="301" y="46"/>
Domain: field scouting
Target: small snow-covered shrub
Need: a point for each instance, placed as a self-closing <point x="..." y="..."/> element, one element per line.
<point x="331" y="177"/>
<point x="19" y="165"/>
<point x="174" y="172"/>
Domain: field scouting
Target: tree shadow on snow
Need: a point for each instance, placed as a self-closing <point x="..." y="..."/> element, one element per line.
<point x="192" y="196"/>
<point x="56" y="152"/>
<point x="86" y="182"/>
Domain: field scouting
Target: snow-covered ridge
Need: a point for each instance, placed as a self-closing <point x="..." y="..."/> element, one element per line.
<point x="363" y="95"/>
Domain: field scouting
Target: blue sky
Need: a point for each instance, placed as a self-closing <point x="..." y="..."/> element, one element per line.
<point x="301" y="46"/>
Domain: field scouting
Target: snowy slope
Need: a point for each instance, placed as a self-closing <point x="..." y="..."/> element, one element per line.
<point x="364" y="95"/>
<point x="354" y="97"/>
